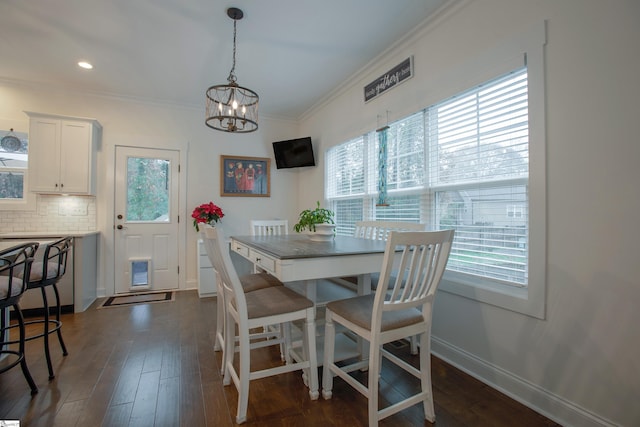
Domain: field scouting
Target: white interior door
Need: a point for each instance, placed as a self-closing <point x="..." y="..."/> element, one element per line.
<point x="146" y="219"/>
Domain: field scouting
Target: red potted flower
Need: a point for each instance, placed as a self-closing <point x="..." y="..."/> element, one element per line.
<point x="207" y="213"/>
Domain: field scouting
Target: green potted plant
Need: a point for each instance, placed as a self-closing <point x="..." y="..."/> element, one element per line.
<point x="318" y="221"/>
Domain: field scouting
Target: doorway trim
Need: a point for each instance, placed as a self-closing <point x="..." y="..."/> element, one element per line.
<point x="107" y="277"/>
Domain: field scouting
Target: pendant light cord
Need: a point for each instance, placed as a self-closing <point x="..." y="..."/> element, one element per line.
<point x="232" y="76"/>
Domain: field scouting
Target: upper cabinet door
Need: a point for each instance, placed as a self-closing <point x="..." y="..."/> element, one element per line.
<point x="44" y="155"/>
<point x="62" y="155"/>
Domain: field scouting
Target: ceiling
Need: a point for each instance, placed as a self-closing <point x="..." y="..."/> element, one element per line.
<point x="291" y="52"/>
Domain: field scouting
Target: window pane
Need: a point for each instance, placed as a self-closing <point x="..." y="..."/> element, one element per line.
<point x="405" y="164"/>
<point x="147" y="189"/>
<point x="402" y="208"/>
<point x="348" y="212"/>
<point x="11" y="185"/>
<point x="491" y="231"/>
<point x="13" y="164"/>
<point x="345" y="171"/>
<point x="482" y="134"/>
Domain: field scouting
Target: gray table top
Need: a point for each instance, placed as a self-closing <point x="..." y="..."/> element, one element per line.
<point x="291" y="246"/>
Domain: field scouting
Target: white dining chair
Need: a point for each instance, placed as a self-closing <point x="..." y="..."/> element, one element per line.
<point x="249" y="283"/>
<point x="379" y="230"/>
<point x="259" y="309"/>
<point x="269" y="227"/>
<point x="401" y="307"/>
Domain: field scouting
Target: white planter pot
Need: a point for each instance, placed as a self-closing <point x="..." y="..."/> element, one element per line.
<point x="323" y="233"/>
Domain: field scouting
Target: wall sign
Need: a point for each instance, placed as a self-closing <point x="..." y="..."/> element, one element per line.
<point x="391" y="78"/>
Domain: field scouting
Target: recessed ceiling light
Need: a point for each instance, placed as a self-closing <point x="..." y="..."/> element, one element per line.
<point x="85" y="65"/>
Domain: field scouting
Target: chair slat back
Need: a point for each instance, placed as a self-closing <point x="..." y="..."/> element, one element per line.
<point x="413" y="265"/>
<point x="218" y="252"/>
<point x="379" y="230"/>
<point x="269" y="227"/>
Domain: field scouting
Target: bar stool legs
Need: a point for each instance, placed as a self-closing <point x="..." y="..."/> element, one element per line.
<point x="58" y="324"/>
<point x="15" y="261"/>
<point x="44" y="274"/>
<point x="21" y="349"/>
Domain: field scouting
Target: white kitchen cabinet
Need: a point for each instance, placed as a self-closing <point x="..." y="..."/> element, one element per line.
<point x="207" y="275"/>
<point x="62" y="154"/>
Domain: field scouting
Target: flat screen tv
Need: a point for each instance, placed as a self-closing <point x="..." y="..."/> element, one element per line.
<point x="294" y="153"/>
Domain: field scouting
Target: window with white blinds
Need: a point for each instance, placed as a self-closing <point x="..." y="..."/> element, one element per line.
<point x="406" y="148"/>
<point x="406" y="208"/>
<point x="475" y="179"/>
<point x="348" y="212"/>
<point x="479" y="168"/>
<point x="345" y="173"/>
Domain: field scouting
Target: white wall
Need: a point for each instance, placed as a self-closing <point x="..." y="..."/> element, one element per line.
<point x="581" y="365"/>
<point x="137" y="123"/>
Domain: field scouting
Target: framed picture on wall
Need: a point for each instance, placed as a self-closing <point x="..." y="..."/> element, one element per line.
<point x="245" y="176"/>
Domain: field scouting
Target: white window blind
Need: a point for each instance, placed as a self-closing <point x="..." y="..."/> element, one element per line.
<point x="345" y="173"/>
<point x="479" y="168"/>
<point x="401" y="208"/>
<point x="406" y="153"/>
<point x="348" y="212"/>
<point x="476" y="181"/>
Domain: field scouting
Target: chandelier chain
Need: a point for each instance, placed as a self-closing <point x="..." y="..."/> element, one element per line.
<point x="232" y="75"/>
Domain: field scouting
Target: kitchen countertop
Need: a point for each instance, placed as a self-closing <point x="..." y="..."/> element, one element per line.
<point x="45" y="234"/>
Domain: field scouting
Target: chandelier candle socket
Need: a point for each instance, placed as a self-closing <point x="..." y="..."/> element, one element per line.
<point x="231" y="107"/>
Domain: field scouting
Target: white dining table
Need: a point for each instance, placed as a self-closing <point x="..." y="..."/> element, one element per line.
<point x="296" y="258"/>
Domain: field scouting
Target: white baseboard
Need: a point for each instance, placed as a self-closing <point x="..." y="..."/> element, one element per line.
<point x="531" y="395"/>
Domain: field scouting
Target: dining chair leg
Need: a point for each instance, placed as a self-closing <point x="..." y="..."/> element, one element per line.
<point x="413" y="341"/>
<point x="374" y="384"/>
<point x="228" y="353"/>
<point x="286" y="336"/>
<point x="244" y="373"/>
<point x="329" y="348"/>
<point x="425" y="377"/>
<point x="218" y="344"/>
<point x="310" y="348"/>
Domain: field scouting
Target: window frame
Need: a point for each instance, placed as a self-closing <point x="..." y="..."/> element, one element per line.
<point x="28" y="200"/>
<point x="527" y="48"/>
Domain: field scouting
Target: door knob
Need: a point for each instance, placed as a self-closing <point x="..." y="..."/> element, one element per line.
<point x="119" y="227"/>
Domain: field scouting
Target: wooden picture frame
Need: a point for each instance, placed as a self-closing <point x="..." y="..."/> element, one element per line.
<point x="242" y="176"/>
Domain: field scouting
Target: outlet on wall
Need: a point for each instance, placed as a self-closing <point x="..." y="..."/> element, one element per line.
<point x="77" y="209"/>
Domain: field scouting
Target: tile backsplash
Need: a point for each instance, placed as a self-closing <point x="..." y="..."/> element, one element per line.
<point x="53" y="214"/>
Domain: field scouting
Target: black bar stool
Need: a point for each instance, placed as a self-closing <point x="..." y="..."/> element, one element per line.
<point x="15" y="269"/>
<point x="47" y="273"/>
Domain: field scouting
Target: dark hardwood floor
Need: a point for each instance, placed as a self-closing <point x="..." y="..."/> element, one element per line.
<point x="154" y="365"/>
